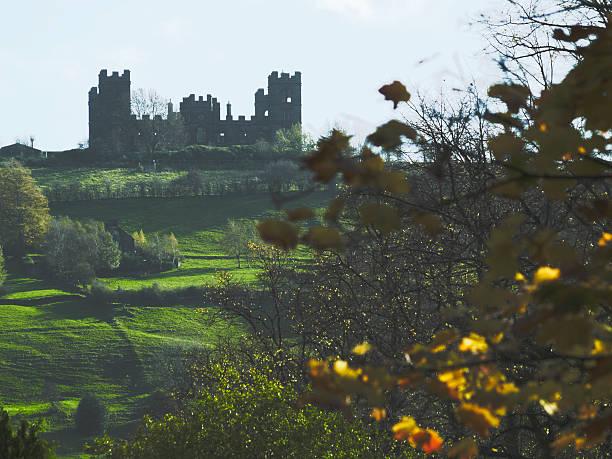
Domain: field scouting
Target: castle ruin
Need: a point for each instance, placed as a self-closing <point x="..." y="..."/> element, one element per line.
<point x="112" y="127"/>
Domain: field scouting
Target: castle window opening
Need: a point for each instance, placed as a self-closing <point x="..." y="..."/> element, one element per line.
<point x="266" y="113"/>
<point x="288" y="99"/>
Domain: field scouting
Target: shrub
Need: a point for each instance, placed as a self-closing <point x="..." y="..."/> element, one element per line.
<point x="100" y="294"/>
<point x="246" y="413"/>
<point x="157" y="405"/>
<point x="24" y="442"/>
<point x="77" y="252"/>
<point x="91" y="415"/>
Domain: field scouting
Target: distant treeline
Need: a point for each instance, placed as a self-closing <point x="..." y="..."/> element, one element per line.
<point x="193" y="156"/>
<point x="191" y="184"/>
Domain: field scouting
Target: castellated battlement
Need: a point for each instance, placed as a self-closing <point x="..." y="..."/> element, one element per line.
<point x="103" y="75"/>
<point x="112" y="125"/>
<point x="296" y="77"/>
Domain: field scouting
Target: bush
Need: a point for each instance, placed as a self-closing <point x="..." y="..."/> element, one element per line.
<point x="77" y="252"/>
<point x="100" y="294"/>
<point x="246" y="413"/>
<point x="157" y="405"/>
<point x="23" y="443"/>
<point x="91" y="415"/>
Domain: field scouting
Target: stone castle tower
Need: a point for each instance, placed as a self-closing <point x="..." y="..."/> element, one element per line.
<point x="109" y="112"/>
<point x="112" y="127"/>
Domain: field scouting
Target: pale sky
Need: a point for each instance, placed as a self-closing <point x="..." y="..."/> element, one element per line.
<point x="51" y="52"/>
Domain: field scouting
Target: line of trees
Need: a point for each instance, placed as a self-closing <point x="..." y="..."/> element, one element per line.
<point x="282" y="175"/>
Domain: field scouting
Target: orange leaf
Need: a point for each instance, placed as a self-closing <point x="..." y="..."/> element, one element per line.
<point x="378" y="413"/>
<point x="403" y="429"/>
<point x="605" y="238"/>
<point x="428" y="440"/>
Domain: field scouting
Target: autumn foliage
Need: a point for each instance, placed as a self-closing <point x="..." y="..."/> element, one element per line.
<point x="536" y="330"/>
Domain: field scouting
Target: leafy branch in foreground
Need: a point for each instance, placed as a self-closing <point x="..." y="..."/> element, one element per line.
<point x="536" y="333"/>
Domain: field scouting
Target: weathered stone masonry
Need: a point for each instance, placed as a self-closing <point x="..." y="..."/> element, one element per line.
<point x="112" y="126"/>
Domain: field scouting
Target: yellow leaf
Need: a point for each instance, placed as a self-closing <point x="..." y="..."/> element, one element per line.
<point x="362" y="348"/>
<point x="598" y="347"/>
<point x="477" y="418"/>
<point x="403" y="429"/>
<point x="546" y="274"/>
<point x="341" y="368"/>
<point x="550" y="407"/>
<point x="474" y="343"/>
<point x="605" y="238"/>
<point x="519" y="277"/>
<point x="378" y="413"/>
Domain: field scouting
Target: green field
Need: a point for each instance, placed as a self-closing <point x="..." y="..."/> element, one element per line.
<point x="114" y="179"/>
<point x="55" y="345"/>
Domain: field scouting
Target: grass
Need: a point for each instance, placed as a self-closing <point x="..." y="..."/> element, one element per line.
<point x="197" y="223"/>
<point x="53" y="347"/>
<point x="57" y="351"/>
<point x="114" y="179"/>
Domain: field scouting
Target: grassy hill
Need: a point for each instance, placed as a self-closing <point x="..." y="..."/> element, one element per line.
<point x="55" y="345"/>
